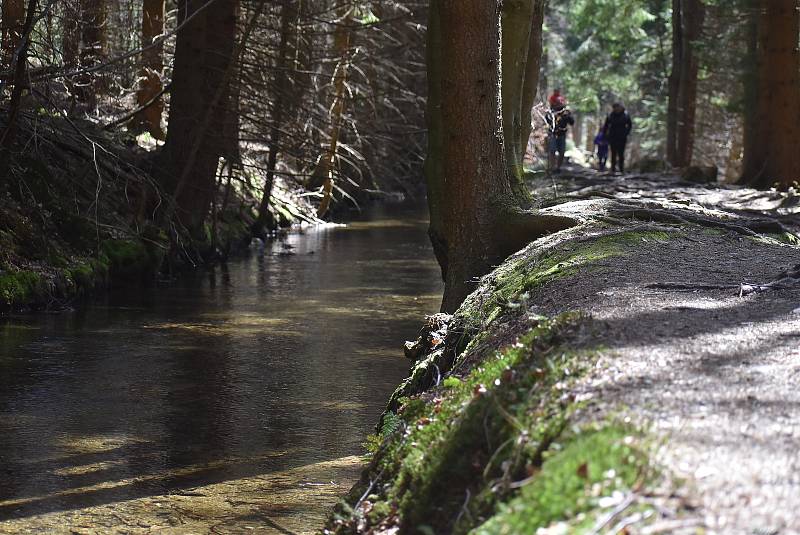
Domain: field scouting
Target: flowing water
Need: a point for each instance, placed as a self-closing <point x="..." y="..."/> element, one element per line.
<point x="232" y="401"/>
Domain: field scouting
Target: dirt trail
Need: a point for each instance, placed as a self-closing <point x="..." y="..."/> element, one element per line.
<point x="717" y="375"/>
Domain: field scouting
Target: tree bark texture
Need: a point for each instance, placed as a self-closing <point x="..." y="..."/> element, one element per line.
<point x="772" y="156"/>
<point x="476" y="215"/>
<point x="19" y="65"/>
<point x="283" y="99"/>
<point x="692" y="17"/>
<point x="475" y="181"/>
<point x="750" y="87"/>
<point x="674" y="83"/>
<point x="195" y="140"/>
<point x="150" y="83"/>
<point x="12" y="22"/>
<point x="94" y="40"/>
<point x="323" y="172"/>
<point x="518" y="33"/>
<point x="533" y="72"/>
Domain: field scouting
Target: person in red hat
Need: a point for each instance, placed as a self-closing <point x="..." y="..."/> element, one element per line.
<point x="557" y="100"/>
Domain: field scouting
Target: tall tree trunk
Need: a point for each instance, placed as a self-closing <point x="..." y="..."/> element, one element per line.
<point x="323" y="172"/>
<point x="94" y="37"/>
<point x="476" y="215"/>
<point x="577" y="129"/>
<point x="190" y="157"/>
<point x="518" y="35"/>
<point x="692" y="17"/>
<point x="20" y="64"/>
<point x="434" y="160"/>
<point x="674" y="84"/>
<point x="12" y="22"/>
<point x="231" y="149"/>
<point x="750" y="60"/>
<point x="282" y="98"/>
<point x="150" y="85"/>
<point x="772" y="154"/>
<point x="533" y="70"/>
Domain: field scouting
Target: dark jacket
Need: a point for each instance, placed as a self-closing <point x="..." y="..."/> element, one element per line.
<point x="618" y="127"/>
<point x="559" y="122"/>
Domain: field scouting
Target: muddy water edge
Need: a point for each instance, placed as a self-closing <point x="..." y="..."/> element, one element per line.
<point x="233" y="401"/>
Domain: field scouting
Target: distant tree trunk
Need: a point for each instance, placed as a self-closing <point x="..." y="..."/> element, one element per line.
<point x="231" y="150"/>
<point x="94" y="37"/>
<point x="476" y="220"/>
<point x="434" y="160"/>
<point x="289" y="14"/>
<point x="577" y="129"/>
<point x="19" y="65"/>
<point x="534" y="68"/>
<point x="750" y="60"/>
<point x="190" y="157"/>
<point x="150" y="84"/>
<point x="323" y="172"/>
<point x="772" y="151"/>
<point x="520" y="79"/>
<point x="12" y="22"/>
<point x="692" y="16"/>
<point x="674" y="83"/>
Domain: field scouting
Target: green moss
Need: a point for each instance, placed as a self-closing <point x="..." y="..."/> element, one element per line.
<point x="786" y="238"/>
<point x="21" y="287"/>
<point x="576" y="473"/>
<point x="379" y="510"/>
<point x="513" y="281"/>
<point x="128" y="259"/>
<point x="445" y="454"/>
<point x="488" y="418"/>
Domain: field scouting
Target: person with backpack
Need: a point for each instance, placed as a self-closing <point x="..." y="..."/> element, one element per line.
<point x="559" y="119"/>
<point x="601" y="143"/>
<point x="617" y="128"/>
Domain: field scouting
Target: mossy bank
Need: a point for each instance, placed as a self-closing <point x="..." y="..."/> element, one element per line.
<point x="490" y="433"/>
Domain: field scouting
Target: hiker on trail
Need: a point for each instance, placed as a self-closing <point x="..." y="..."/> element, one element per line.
<point x="601" y="142"/>
<point x="559" y="118"/>
<point x="616" y="129"/>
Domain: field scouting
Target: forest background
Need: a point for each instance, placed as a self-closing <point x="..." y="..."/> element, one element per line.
<point x="142" y="134"/>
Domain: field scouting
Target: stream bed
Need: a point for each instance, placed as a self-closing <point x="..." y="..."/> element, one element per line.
<point x="235" y="400"/>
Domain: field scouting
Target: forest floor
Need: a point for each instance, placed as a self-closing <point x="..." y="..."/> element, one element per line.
<point x="716" y="373"/>
<point x="689" y="297"/>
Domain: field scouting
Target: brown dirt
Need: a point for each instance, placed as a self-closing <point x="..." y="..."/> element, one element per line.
<point x="716" y="375"/>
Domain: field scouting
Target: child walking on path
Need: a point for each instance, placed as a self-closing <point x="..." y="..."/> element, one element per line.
<point x="601" y="143"/>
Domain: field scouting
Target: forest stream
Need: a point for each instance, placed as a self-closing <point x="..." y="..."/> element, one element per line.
<point x="235" y="400"/>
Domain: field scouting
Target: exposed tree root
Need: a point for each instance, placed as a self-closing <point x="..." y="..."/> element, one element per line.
<point x="786" y="280"/>
<point x="789" y="279"/>
<point x="521" y="227"/>
<point x="747" y="227"/>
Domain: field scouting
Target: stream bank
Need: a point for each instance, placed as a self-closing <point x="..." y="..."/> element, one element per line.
<point x="81" y="209"/>
<point x="232" y="399"/>
<point x="607" y="377"/>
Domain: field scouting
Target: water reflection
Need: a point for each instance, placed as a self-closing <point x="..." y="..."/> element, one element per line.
<point x="156" y="407"/>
